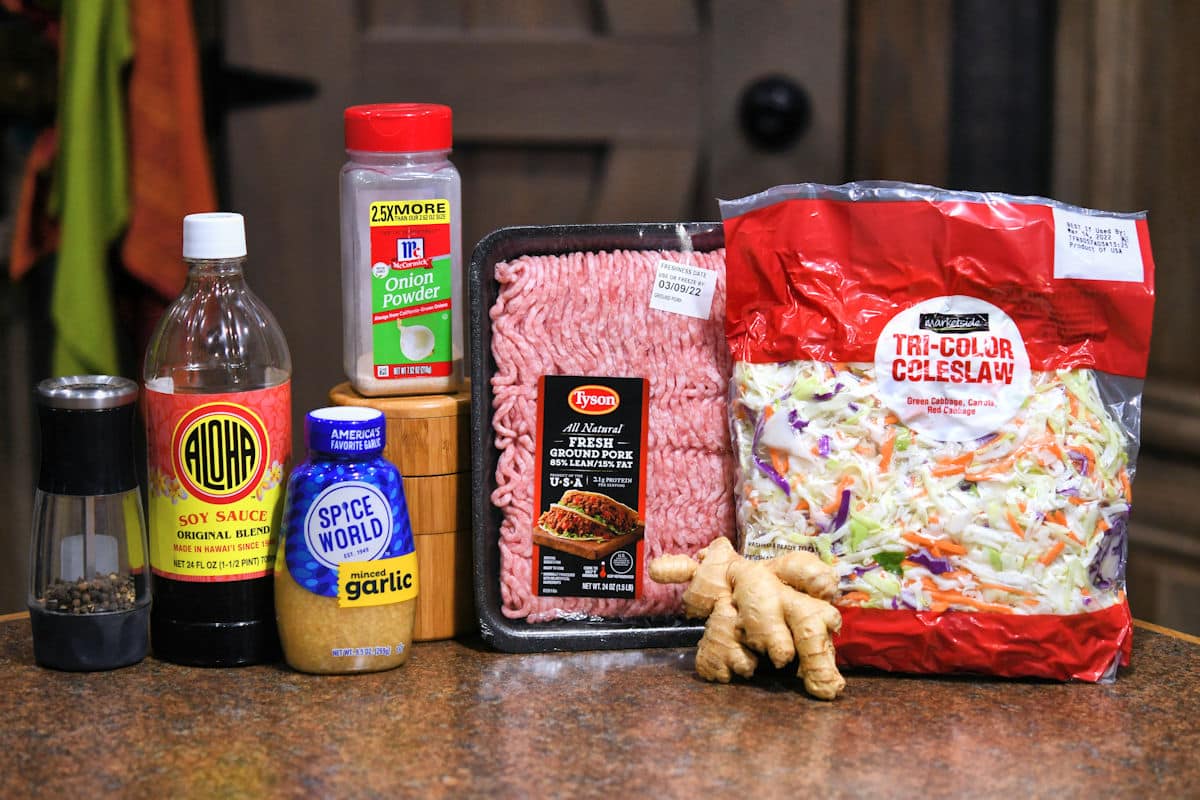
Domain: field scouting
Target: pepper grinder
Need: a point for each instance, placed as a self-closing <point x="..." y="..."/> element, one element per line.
<point x="89" y="592"/>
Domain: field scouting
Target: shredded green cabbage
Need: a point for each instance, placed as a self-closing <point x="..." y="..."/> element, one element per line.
<point x="1008" y="523"/>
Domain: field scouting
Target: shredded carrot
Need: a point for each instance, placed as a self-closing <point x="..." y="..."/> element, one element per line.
<point x="1102" y="525"/>
<point x="891" y="419"/>
<point x="992" y="469"/>
<point x="850" y="598"/>
<point x="1052" y="553"/>
<point x="1002" y="588"/>
<point x="937" y="547"/>
<point x="768" y="411"/>
<point x="1057" y="517"/>
<point x="950" y="466"/>
<point x="1074" y="538"/>
<point x="864" y="449"/>
<point x="1012" y="523"/>
<point x="1076" y="501"/>
<point x="779" y="461"/>
<point x="964" y="458"/>
<point x="1074" y="404"/>
<point x="932" y="519"/>
<point x="833" y="504"/>
<point x="885" y="452"/>
<point x="945" y="547"/>
<point x="1125" y="485"/>
<point x="1089" y="454"/>
<point x="958" y="598"/>
<point x="917" y="539"/>
<point x="802" y="505"/>
<point x="1031" y="601"/>
<point x="938" y="607"/>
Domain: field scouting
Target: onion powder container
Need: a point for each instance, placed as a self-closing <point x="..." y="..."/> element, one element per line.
<point x="401" y="231"/>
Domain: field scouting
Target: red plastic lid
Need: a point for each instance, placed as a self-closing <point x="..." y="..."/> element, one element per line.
<point x="398" y="127"/>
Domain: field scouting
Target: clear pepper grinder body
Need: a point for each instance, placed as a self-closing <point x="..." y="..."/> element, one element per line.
<point x="89" y="591"/>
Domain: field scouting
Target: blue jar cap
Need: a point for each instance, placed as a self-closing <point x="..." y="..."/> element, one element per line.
<point x="345" y="430"/>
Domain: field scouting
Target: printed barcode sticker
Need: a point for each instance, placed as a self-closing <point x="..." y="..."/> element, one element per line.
<point x="683" y="289"/>
<point x="1096" y="248"/>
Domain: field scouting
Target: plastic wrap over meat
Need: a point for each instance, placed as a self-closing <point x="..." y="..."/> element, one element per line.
<point x="587" y="314"/>
<point x="939" y="392"/>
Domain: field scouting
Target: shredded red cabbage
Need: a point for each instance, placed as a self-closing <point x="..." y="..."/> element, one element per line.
<point x="823" y="446"/>
<point x="843" y="511"/>
<point x="1108" y="567"/>
<point x="771" y="473"/>
<point x="930" y="562"/>
<point x="823" y="396"/>
<point x="794" y="420"/>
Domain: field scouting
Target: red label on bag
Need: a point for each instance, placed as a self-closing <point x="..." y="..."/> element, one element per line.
<point x="1081" y="297"/>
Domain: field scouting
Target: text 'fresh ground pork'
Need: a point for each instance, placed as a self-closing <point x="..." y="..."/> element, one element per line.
<point x="596" y="317"/>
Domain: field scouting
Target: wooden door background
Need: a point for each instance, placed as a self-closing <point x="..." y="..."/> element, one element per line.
<point x="566" y="111"/>
<point x="625" y="110"/>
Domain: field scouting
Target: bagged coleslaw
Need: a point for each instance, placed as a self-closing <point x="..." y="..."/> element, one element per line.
<point x="939" y="392"/>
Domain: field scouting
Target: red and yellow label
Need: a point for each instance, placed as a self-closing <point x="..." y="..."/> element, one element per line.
<point x="216" y="482"/>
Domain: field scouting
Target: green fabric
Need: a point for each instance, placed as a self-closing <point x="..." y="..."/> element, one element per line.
<point x="93" y="191"/>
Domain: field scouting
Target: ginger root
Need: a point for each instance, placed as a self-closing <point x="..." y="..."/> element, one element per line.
<point x="779" y="608"/>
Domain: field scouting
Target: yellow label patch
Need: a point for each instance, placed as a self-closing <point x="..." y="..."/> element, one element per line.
<point x="195" y="541"/>
<point x="377" y="583"/>
<point x="410" y="212"/>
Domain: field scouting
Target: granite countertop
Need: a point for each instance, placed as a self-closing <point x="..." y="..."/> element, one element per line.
<point x="462" y="721"/>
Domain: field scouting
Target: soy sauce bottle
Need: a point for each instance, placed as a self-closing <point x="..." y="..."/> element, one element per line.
<point x="218" y="426"/>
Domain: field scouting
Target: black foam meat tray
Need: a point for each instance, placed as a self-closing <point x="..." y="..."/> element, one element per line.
<point x="517" y="635"/>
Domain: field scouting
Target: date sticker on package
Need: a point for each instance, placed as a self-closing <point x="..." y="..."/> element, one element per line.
<point x="1093" y="248"/>
<point x="683" y="289"/>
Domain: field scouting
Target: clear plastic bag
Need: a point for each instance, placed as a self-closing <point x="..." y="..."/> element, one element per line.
<point x="939" y="392"/>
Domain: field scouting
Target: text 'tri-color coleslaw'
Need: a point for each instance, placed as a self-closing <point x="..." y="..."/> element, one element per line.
<point x="939" y="393"/>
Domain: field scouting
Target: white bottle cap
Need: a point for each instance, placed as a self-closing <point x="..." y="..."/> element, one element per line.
<point x="221" y="234"/>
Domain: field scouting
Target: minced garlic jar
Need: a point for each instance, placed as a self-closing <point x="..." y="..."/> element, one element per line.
<point x="346" y="571"/>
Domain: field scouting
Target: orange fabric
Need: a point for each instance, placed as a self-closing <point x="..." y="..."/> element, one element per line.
<point x="35" y="232"/>
<point x="171" y="175"/>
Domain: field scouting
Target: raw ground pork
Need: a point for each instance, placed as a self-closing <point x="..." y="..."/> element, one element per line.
<point x="589" y="314"/>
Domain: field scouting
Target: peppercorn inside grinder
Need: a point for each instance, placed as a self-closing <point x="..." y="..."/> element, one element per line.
<point x="89" y="592"/>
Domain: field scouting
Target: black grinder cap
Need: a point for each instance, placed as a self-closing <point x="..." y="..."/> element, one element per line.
<point x="87" y="435"/>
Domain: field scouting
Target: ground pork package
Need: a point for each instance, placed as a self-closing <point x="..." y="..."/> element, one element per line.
<point x="939" y="392"/>
<point x="600" y="390"/>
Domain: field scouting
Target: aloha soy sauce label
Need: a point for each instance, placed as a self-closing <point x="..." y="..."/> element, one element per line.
<point x="590" y="489"/>
<point x="216" y="466"/>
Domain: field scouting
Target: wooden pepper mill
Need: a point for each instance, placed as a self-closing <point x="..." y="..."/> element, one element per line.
<point x="428" y="441"/>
